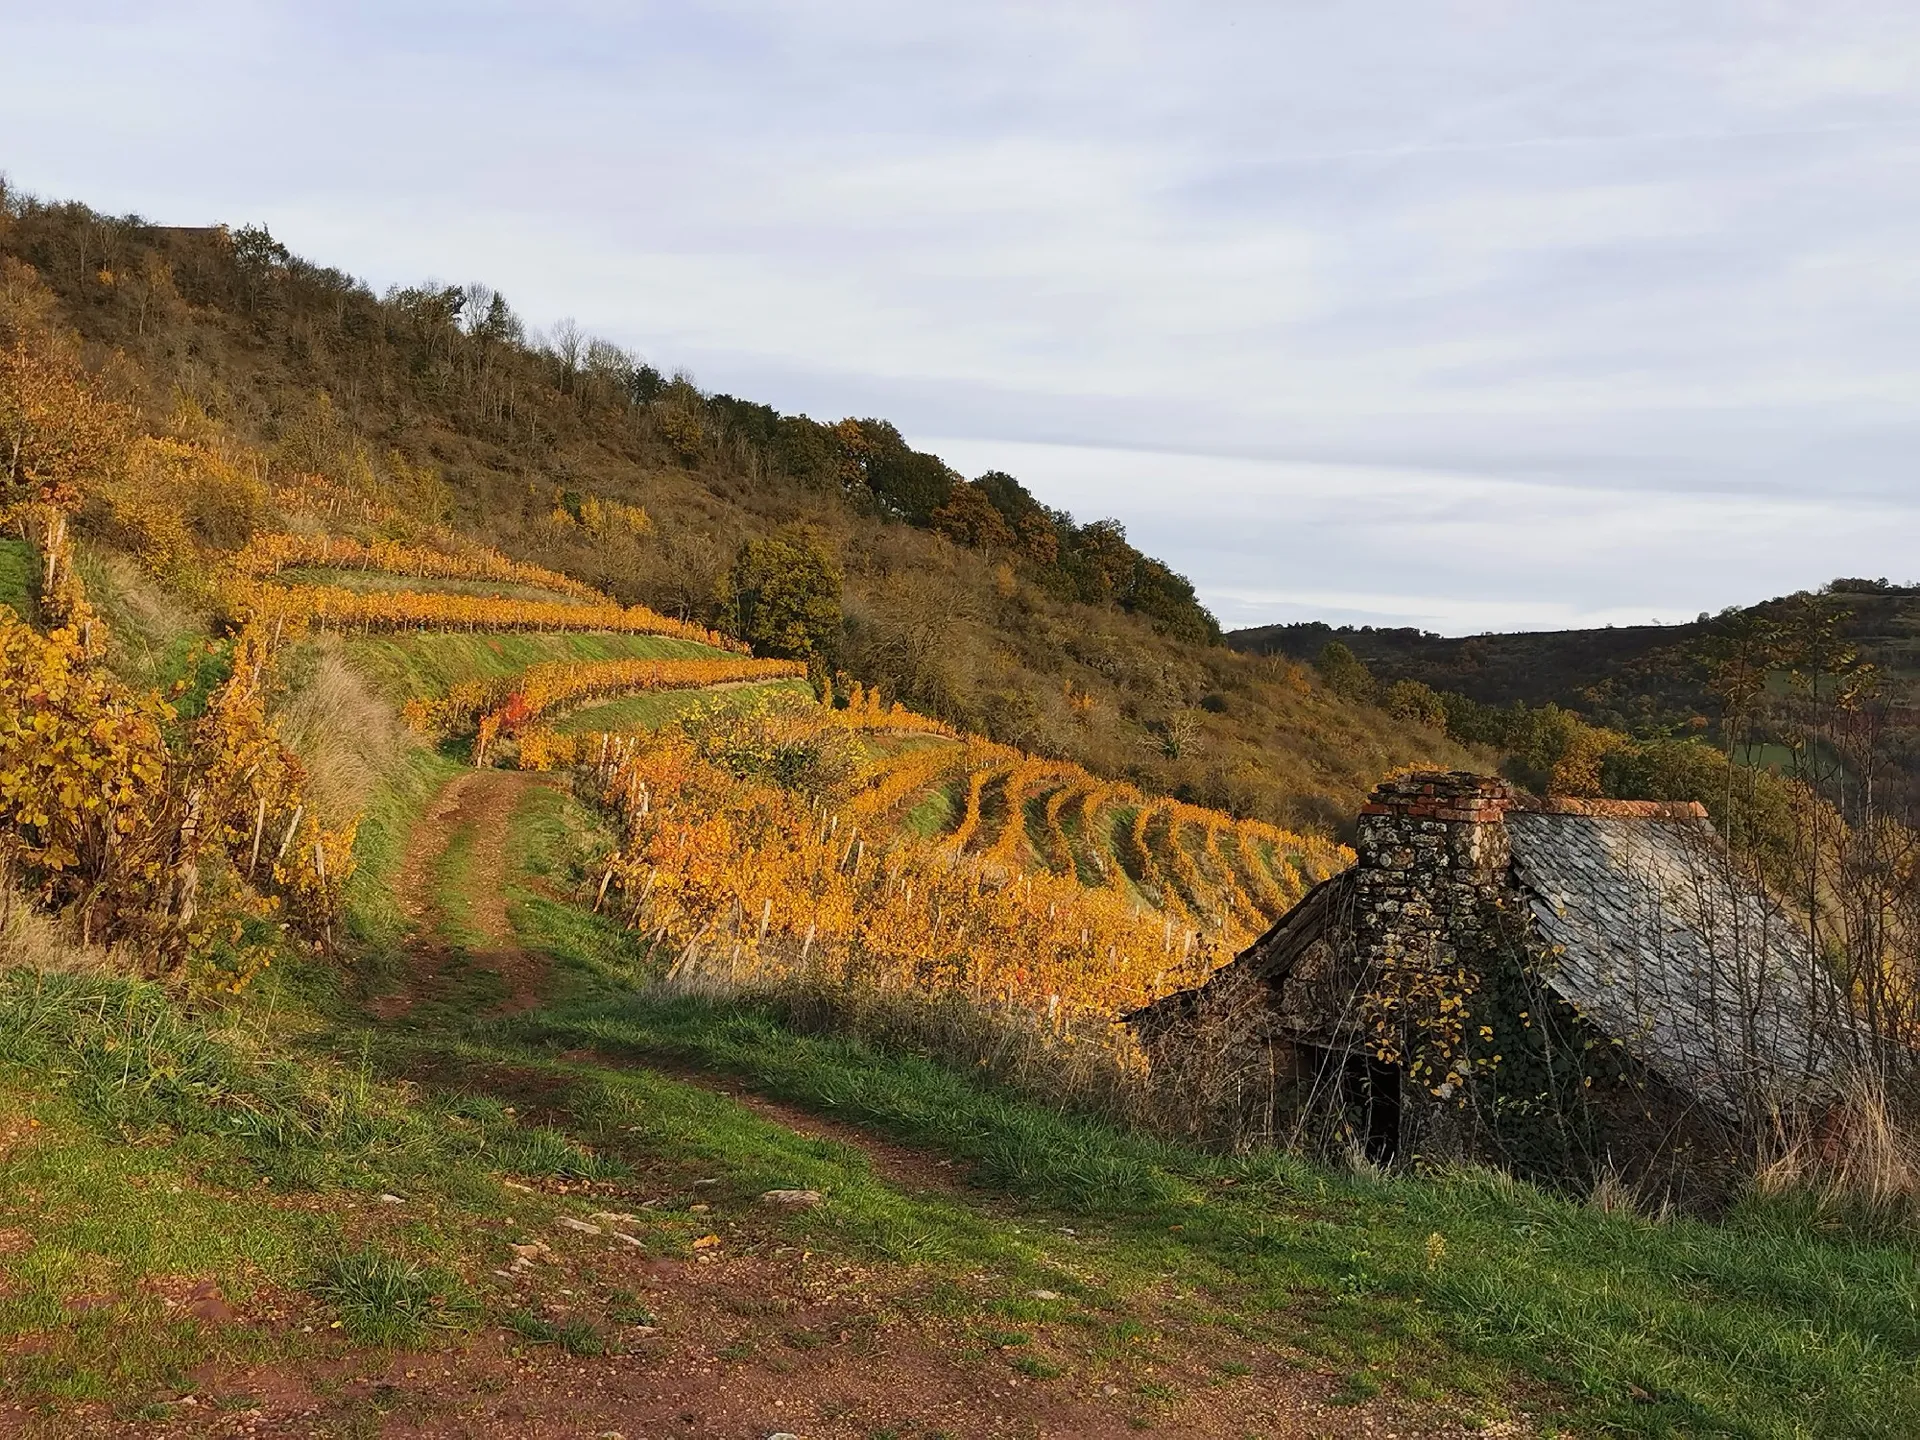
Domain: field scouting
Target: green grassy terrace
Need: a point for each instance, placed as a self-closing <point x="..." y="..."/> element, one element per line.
<point x="429" y="663"/>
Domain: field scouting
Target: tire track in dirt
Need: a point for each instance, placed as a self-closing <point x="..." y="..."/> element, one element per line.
<point x="483" y="801"/>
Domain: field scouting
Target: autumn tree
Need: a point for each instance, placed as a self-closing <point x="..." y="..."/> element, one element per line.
<point x="1343" y="672"/>
<point x="785" y="591"/>
<point x="55" y="431"/>
<point x="970" y="518"/>
<point x="260" y="259"/>
<point x="908" y="483"/>
<point x="1417" y="703"/>
<point x="567" y="344"/>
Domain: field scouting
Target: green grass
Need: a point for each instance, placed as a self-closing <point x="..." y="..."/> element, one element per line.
<point x="936" y="812"/>
<point x="1752" y="1327"/>
<point x="428" y="663"/>
<point x="574" y="1335"/>
<point x="375" y="923"/>
<point x="655" y="708"/>
<point x="148" y="1150"/>
<point x="156" y="639"/>
<point x="20" y="579"/>
<point x="1757" y="1326"/>
<point x="382" y="1299"/>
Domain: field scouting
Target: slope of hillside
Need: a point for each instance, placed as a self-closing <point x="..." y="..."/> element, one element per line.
<point x="1633" y="677"/>
<point x="498" y="1174"/>
<point x="972" y="602"/>
<point x="1854" y="644"/>
<point x="738" y="1067"/>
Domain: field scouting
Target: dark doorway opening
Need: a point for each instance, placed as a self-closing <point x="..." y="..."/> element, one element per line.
<point x="1359" y="1099"/>
<point x="1372" y="1093"/>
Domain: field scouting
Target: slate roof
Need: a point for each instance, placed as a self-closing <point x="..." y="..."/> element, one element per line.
<point x="1271" y="958"/>
<point x="1701" y="974"/>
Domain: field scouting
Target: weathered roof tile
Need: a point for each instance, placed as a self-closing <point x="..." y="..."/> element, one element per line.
<point x="1662" y="943"/>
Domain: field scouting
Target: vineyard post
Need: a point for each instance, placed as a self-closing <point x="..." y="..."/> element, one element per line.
<point x="287" y="839"/>
<point x="187" y="871"/>
<point x="259" y="828"/>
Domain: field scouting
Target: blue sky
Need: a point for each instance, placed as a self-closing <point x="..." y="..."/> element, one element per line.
<point x="1471" y="316"/>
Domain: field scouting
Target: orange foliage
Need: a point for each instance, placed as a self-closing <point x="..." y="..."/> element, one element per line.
<point x="267" y="555"/>
<point x="55" y="430"/>
<point x="1059" y="850"/>
<point x="758" y="882"/>
<point x="543" y="688"/>
<point x="327" y="605"/>
<point x="87" y="810"/>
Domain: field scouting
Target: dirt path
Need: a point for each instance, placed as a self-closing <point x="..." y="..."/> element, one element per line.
<point x="755" y="1336"/>
<point x="482" y="801"/>
<point x="753" y="1339"/>
<point x="902" y="1166"/>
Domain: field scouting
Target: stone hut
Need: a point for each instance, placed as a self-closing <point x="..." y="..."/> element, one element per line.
<point x="1564" y="987"/>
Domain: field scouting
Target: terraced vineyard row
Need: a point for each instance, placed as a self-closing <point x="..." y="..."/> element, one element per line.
<point x="268" y="555"/>
<point x="330" y="606"/>
<point x="1203" y="867"/>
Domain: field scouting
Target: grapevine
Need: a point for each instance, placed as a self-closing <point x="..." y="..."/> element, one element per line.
<point x="268" y="555"/>
<point x="329" y="606"/>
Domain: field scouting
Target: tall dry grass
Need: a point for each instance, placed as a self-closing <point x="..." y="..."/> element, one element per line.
<point x="344" y="733"/>
<point x="30" y="939"/>
<point x="1858" y="1161"/>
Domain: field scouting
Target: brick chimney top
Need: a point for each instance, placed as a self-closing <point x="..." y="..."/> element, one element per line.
<point x="1457" y="795"/>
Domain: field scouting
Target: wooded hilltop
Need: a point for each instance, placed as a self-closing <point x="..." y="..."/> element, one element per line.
<point x="838" y="543"/>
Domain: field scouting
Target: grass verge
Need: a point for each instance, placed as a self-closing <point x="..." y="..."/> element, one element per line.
<point x="19" y="579"/>
<point x="659" y="707"/>
<point x="428" y="663"/>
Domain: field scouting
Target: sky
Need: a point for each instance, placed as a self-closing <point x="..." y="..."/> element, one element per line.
<point x="1471" y="316"/>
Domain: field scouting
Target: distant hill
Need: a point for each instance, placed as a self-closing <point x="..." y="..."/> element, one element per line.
<point x="1638" y="678"/>
<point x="1649" y="681"/>
<point x="1643" y="679"/>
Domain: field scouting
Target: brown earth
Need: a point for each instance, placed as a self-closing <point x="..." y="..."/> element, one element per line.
<point x="484" y="801"/>
<point x="773" y="1340"/>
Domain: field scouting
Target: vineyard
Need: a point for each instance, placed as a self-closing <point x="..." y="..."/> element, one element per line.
<point x="766" y="844"/>
<point x="269" y="555"/>
<point x="767" y="833"/>
<point x="334" y="607"/>
<point x="182" y="837"/>
<point x="770" y="840"/>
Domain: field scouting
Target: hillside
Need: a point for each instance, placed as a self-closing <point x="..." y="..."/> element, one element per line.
<point x="1653" y="682"/>
<point x="972" y="602"/>
<point x="442" y="993"/>
<point x="1644" y="679"/>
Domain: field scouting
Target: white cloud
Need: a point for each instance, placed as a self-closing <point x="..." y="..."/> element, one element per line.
<point x="1451" y="551"/>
